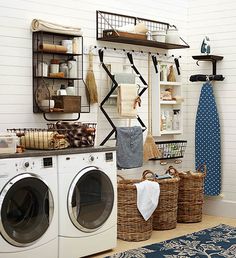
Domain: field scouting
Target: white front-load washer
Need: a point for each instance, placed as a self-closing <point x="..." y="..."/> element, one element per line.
<point x="28" y="207"/>
<point x="87" y="203"/>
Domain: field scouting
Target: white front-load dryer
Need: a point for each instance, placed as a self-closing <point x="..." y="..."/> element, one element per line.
<point x="87" y="203"/>
<point x="28" y="208"/>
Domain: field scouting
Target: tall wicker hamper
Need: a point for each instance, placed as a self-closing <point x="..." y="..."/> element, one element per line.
<point x="191" y="195"/>
<point x="131" y="226"/>
<point x="165" y="215"/>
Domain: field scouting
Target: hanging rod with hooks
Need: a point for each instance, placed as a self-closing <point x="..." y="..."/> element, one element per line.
<point x="134" y="51"/>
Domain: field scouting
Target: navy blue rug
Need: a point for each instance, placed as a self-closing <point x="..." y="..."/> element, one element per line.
<point x="216" y="242"/>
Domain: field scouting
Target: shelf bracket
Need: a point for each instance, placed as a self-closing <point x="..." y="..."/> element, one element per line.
<point x="212" y="58"/>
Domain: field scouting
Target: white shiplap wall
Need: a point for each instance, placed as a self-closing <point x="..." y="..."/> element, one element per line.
<point x="15" y="50"/>
<point x="217" y="20"/>
<point x="15" y="46"/>
<point x="189" y="16"/>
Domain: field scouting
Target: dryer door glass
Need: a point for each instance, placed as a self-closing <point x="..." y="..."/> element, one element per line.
<point x="91" y="199"/>
<point x="26" y="210"/>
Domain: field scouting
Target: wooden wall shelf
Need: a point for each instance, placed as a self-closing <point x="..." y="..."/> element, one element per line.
<point x="148" y="43"/>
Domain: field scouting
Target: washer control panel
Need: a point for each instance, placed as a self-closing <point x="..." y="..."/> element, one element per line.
<point x="24" y="165"/>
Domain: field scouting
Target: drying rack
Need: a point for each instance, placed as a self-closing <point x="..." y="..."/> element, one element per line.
<point x="115" y="85"/>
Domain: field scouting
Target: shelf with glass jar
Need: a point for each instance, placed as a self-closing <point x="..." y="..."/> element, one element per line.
<point x="166" y="101"/>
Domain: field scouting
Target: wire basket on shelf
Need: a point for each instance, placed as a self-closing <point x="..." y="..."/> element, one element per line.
<point x="77" y="134"/>
<point x="171" y="149"/>
<point x="109" y="25"/>
<point x="57" y="136"/>
<point x="40" y="139"/>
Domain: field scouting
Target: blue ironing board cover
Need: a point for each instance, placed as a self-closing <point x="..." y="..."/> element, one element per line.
<point x="207" y="140"/>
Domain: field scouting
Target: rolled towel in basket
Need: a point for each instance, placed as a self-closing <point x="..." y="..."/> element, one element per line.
<point x="148" y="193"/>
<point x="43" y="140"/>
<point x="41" y="25"/>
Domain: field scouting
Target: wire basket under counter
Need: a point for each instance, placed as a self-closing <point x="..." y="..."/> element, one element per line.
<point x="173" y="149"/>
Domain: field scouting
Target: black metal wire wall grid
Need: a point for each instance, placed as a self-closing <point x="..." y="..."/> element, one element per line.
<point x="107" y="20"/>
<point x="117" y="28"/>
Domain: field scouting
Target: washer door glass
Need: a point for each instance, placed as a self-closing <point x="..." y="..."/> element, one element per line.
<point x="90" y="199"/>
<point x="26" y="209"/>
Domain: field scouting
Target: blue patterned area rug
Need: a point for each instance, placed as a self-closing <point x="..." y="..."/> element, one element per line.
<point x="216" y="242"/>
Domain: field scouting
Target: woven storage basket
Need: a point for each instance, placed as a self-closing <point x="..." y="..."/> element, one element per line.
<point x="165" y="215"/>
<point x="131" y="226"/>
<point x="191" y="195"/>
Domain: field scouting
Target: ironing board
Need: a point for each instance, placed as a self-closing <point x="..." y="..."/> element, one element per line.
<point x="207" y="140"/>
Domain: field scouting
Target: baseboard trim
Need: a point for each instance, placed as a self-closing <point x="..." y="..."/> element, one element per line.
<point x="219" y="207"/>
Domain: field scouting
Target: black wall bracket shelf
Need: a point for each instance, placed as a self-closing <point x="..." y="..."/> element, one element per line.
<point x="211" y="58"/>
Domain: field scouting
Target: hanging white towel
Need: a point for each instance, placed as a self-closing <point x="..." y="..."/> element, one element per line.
<point x="148" y="193"/>
<point x="127" y="94"/>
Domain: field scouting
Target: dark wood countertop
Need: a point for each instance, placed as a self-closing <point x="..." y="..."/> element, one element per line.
<point x="37" y="153"/>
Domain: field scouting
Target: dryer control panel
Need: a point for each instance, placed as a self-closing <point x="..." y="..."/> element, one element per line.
<point x="47" y="162"/>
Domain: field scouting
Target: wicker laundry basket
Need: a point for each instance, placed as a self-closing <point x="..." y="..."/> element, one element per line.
<point x="191" y="195"/>
<point x="165" y="215"/>
<point x="131" y="226"/>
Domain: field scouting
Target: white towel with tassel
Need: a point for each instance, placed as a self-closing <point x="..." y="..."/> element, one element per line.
<point x="127" y="93"/>
<point x="148" y="193"/>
